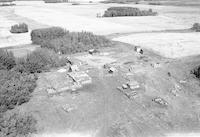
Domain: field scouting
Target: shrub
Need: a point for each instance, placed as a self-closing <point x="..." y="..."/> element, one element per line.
<point x="17" y="125"/>
<point x="73" y="42"/>
<point x="38" y="61"/>
<point x="7" y="60"/>
<point x="196" y="72"/>
<point x="15" y="89"/>
<point x="196" y="27"/>
<point x="38" y="36"/>
<point x="75" y="3"/>
<point x="19" y="28"/>
<point x="154" y="3"/>
<point x="127" y="11"/>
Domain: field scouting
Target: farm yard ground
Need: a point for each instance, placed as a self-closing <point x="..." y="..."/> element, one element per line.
<point x="103" y="108"/>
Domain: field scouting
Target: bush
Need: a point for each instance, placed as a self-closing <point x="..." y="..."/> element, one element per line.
<point x="38" y="36"/>
<point x="17" y="125"/>
<point x="15" y="89"/>
<point x="19" y="28"/>
<point x="154" y="3"/>
<point x="196" y="72"/>
<point x="69" y="42"/>
<point x="38" y="61"/>
<point x="196" y="27"/>
<point x="7" y="60"/>
<point x="127" y="11"/>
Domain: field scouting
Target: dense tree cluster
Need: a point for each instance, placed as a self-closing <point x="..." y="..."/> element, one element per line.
<point x="19" y="28"/>
<point x="38" y="36"/>
<point x="196" y="27"/>
<point x="55" y="1"/>
<point x="7" y="60"/>
<point x="196" y="72"/>
<point x="68" y="42"/>
<point x="127" y="11"/>
<point x="17" y="82"/>
<point x="16" y="124"/>
<point x="39" y="60"/>
<point x="15" y="89"/>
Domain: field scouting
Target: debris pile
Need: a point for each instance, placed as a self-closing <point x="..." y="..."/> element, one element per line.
<point x="160" y="101"/>
<point x="51" y="90"/>
<point x="109" y="68"/>
<point x="68" y="108"/>
<point x="73" y="68"/>
<point x="133" y="85"/>
<point x="156" y="65"/>
<point x="93" y="51"/>
<point x="68" y="78"/>
<point x="80" y="77"/>
<point x="175" y="90"/>
<point x="129" y="88"/>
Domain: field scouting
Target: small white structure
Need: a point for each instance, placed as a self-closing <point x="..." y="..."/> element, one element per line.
<point x="51" y="91"/>
<point x="62" y="70"/>
<point x="124" y="86"/>
<point x="112" y="70"/>
<point x="68" y="108"/>
<point x="133" y="85"/>
<point x="156" y="65"/>
<point x="139" y="49"/>
<point x="93" y="51"/>
<point x="73" y="68"/>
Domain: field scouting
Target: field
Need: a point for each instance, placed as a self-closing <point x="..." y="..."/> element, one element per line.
<point x="102" y="107"/>
<point x="170" y="18"/>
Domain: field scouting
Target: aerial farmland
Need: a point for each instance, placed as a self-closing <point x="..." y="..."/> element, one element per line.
<point x="100" y="68"/>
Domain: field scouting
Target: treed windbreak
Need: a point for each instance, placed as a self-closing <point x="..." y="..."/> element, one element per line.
<point x="6" y="1"/>
<point x="64" y="41"/>
<point x="128" y="11"/>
